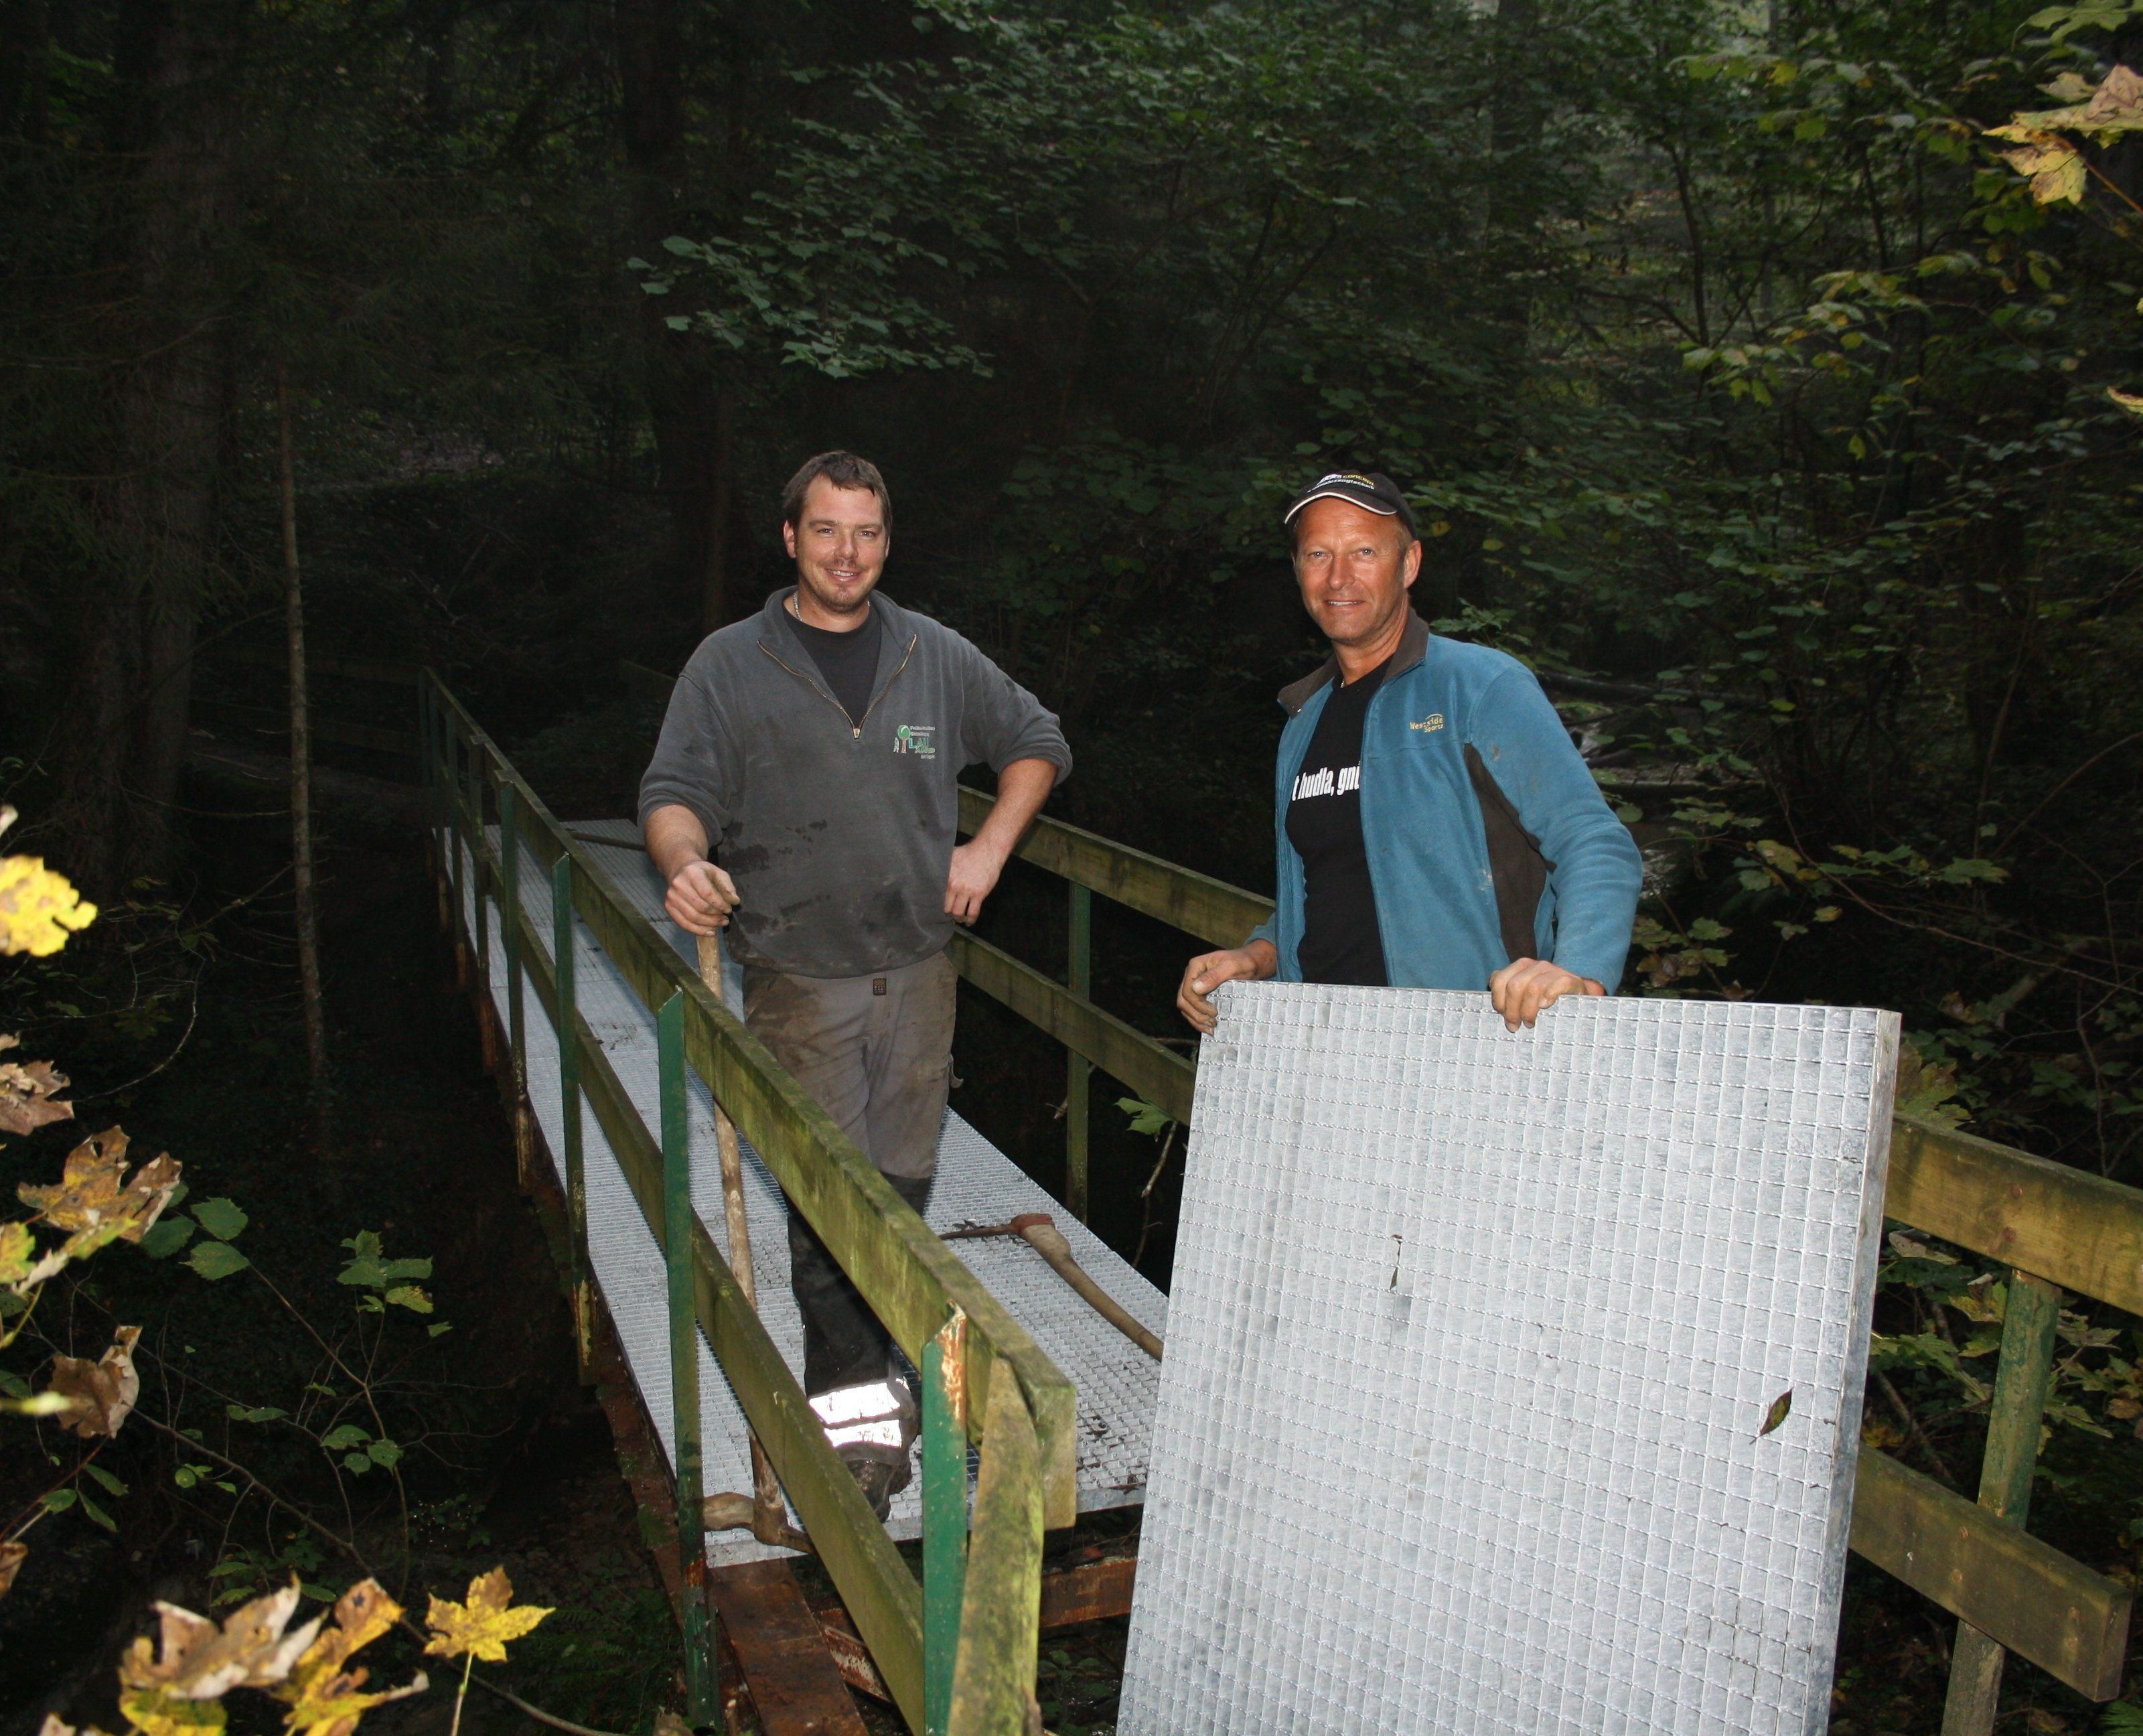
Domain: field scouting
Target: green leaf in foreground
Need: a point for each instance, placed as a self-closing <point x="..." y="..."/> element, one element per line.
<point x="221" y="1219"/>
<point x="167" y="1235"/>
<point x="1146" y="1118"/>
<point x="216" y="1260"/>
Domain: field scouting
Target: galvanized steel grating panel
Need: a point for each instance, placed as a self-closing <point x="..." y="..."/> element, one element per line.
<point x="1475" y="1334"/>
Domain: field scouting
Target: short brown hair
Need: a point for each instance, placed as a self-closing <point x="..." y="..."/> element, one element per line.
<point x="844" y="470"/>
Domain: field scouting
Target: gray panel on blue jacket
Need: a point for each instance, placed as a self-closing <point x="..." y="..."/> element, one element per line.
<point x="1474" y="1337"/>
<point x="976" y="1184"/>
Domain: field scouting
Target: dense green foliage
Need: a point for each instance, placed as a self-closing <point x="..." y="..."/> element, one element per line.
<point x="1725" y="360"/>
<point x="1743" y="388"/>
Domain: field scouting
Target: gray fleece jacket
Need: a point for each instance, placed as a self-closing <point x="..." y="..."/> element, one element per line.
<point x="839" y="831"/>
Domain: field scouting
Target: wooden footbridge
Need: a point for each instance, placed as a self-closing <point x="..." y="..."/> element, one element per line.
<point x="539" y="911"/>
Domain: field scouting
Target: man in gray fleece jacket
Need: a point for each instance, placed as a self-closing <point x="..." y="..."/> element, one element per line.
<point x="802" y="795"/>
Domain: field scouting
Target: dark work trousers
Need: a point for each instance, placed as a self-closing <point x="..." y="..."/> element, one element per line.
<point x="876" y="1054"/>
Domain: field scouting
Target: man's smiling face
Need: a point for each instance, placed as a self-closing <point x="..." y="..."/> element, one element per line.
<point x="1354" y="567"/>
<point x="839" y="543"/>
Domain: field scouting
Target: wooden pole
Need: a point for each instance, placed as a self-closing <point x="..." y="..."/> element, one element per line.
<point x="563" y="974"/>
<point x="301" y="758"/>
<point x="769" y="1514"/>
<point x="677" y="1221"/>
<point x="1079" y="1071"/>
<point x="509" y="936"/>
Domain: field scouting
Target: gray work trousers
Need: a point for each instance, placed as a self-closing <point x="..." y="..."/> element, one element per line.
<point x="876" y="1054"/>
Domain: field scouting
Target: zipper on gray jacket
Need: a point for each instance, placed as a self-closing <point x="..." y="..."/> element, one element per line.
<point x="855" y="724"/>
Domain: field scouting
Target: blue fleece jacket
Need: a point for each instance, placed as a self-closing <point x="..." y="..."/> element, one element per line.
<point x="1488" y="838"/>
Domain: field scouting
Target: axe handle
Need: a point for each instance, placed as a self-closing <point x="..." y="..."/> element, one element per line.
<point x="1046" y="1239"/>
<point x="769" y="1522"/>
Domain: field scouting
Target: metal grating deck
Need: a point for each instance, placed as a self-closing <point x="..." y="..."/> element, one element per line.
<point x="1476" y="1334"/>
<point x="976" y="1184"/>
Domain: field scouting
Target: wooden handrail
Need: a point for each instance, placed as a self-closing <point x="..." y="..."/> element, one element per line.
<point x="2079" y="1232"/>
<point x="908" y="1274"/>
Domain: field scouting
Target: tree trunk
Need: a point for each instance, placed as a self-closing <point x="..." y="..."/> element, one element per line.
<point x="25" y="35"/>
<point x="301" y="754"/>
<point x="121" y="730"/>
<point x="683" y="405"/>
<point x="721" y="492"/>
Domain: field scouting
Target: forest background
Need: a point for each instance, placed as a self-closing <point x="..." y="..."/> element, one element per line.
<point x="1743" y="389"/>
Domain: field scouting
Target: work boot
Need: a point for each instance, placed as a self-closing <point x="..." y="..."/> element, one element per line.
<point x="871" y="1426"/>
<point x="879" y="1478"/>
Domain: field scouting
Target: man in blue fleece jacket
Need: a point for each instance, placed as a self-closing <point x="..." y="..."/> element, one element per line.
<point x="1435" y="825"/>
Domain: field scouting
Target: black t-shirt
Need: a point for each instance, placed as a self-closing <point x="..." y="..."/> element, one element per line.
<point x="1339" y="939"/>
<point x="847" y="662"/>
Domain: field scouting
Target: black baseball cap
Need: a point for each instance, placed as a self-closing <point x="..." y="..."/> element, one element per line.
<point x="1373" y="492"/>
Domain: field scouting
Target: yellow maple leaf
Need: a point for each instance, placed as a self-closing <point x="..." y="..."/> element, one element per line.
<point x="159" y="1712"/>
<point x="327" y="1699"/>
<point x="38" y="907"/>
<point x="481" y="1627"/>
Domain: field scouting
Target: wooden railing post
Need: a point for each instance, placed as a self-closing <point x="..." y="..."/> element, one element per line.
<point x="517" y="1020"/>
<point x="2016" y="1411"/>
<point x="458" y="862"/>
<point x="1000" y="1624"/>
<point x="426" y="748"/>
<point x="944" y="1515"/>
<point x="1079" y="1071"/>
<point x="479" y="881"/>
<point x="565" y="1020"/>
<point x="677" y="1219"/>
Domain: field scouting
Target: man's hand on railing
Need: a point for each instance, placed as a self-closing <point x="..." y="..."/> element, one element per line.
<point x="1208" y="971"/>
<point x="1022" y="787"/>
<point x="976" y="867"/>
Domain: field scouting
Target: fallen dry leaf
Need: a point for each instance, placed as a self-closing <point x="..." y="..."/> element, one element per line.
<point x="101" y="1394"/>
<point x="194" y="1659"/>
<point x="93" y="1197"/>
<point x="12" y="1555"/>
<point x="481" y="1627"/>
<point x="29" y="1093"/>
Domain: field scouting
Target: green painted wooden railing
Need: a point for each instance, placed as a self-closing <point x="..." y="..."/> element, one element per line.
<point x="961" y="1664"/>
<point x="2058" y="1230"/>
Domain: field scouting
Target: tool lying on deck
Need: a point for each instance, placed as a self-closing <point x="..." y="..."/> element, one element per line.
<point x="1039" y="1231"/>
<point x="764" y="1511"/>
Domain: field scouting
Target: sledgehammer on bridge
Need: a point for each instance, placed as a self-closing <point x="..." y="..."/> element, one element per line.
<point x="1039" y="1231"/>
